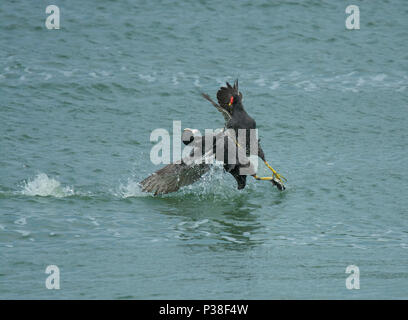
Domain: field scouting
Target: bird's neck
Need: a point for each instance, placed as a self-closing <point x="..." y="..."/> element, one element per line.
<point x="238" y="108"/>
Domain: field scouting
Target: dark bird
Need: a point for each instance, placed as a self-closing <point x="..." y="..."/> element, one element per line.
<point x="174" y="176"/>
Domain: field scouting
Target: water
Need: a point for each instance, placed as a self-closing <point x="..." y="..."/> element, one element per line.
<point x="77" y="108"/>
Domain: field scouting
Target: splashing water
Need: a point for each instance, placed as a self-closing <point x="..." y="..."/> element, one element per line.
<point x="130" y="189"/>
<point x="44" y="186"/>
<point x="213" y="183"/>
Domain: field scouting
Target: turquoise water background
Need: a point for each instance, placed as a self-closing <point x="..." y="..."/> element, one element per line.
<point x="77" y="106"/>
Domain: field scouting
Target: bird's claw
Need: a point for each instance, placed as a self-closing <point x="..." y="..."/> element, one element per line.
<point x="275" y="174"/>
<point x="278" y="184"/>
<point x="279" y="177"/>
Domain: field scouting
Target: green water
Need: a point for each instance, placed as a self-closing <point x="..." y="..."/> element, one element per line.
<point x="77" y="106"/>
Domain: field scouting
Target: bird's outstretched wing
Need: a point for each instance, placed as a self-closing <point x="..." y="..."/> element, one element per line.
<point x="173" y="176"/>
<point x="224" y="95"/>
<point x="225" y="113"/>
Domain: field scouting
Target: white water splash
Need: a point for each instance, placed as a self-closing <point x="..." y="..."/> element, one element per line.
<point x="44" y="186"/>
<point x="131" y="189"/>
<point x="214" y="183"/>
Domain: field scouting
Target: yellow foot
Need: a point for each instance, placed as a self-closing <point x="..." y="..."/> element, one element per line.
<point x="277" y="183"/>
<point x="275" y="174"/>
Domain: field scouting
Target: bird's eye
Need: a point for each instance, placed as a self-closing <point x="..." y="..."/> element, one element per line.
<point x="231" y="101"/>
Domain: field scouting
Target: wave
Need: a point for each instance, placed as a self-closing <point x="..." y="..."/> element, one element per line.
<point x="276" y="80"/>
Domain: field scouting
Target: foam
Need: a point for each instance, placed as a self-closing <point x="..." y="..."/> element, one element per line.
<point x="131" y="189"/>
<point x="44" y="186"/>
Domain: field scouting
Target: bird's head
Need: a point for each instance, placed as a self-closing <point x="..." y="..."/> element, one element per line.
<point x="229" y="97"/>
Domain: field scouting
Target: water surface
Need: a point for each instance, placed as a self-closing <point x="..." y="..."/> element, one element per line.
<point x="77" y="108"/>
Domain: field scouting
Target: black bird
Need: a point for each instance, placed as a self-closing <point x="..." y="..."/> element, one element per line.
<point x="174" y="176"/>
<point x="236" y="118"/>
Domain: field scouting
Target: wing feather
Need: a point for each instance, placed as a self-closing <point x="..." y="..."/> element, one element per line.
<point x="225" y="113"/>
<point x="172" y="177"/>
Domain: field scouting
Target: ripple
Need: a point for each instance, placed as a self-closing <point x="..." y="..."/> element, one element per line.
<point x="21" y="221"/>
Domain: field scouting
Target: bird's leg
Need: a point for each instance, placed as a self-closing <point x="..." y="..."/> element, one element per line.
<point x="262" y="178"/>
<point x="275" y="174"/>
<point x="278" y="184"/>
<point x="261" y="155"/>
